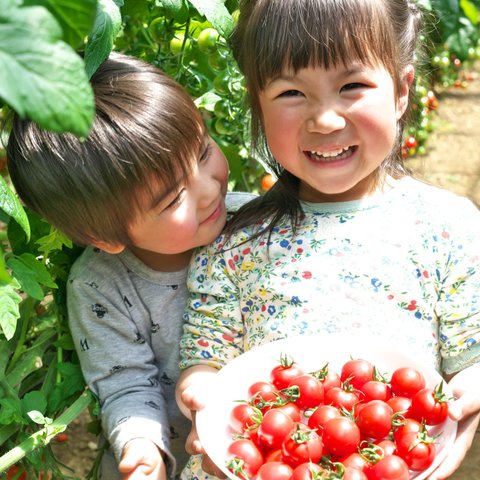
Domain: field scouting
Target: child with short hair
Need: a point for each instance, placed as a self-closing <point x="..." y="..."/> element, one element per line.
<point x="144" y="189"/>
<point x="346" y="241"/>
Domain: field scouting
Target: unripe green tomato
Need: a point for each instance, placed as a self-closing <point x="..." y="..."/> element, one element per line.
<point x="221" y="108"/>
<point x="217" y="61"/>
<point x="157" y="29"/>
<point x="221" y="84"/>
<point x="445" y="62"/>
<point x="223" y="127"/>
<point x="177" y="43"/>
<point x="207" y="40"/>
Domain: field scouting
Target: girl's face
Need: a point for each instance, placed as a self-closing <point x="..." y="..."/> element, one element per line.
<point x="175" y="222"/>
<point x="333" y="128"/>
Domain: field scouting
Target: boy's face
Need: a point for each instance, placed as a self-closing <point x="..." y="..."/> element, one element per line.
<point x="191" y="216"/>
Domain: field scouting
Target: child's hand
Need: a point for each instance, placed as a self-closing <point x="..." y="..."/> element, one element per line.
<point x="466" y="409"/>
<point x="141" y="459"/>
<point x="191" y="390"/>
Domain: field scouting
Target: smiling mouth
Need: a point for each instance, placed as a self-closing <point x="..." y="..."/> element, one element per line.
<point x="331" y="155"/>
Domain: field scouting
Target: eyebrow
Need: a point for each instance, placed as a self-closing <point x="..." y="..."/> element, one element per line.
<point x="356" y="69"/>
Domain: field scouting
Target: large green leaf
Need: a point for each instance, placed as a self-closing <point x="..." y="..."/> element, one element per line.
<point x="470" y="11"/>
<point x="108" y="23"/>
<point x="11" y="205"/>
<point x="9" y="311"/>
<point x="74" y="16"/>
<point x="216" y="13"/>
<point x="41" y="76"/>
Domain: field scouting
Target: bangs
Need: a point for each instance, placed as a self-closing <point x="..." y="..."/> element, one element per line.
<point x="289" y="35"/>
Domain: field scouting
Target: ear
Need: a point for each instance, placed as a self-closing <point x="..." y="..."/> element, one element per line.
<point x="403" y="94"/>
<point x="108" y="247"/>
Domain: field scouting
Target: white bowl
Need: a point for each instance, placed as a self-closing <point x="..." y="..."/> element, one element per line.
<point x="311" y="353"/>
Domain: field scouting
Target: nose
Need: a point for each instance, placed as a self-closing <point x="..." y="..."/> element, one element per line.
<point x="207" y="189"/>
<point x="325" y="119"/>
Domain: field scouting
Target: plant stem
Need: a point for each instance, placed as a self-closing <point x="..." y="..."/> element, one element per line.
<point x="44" y="436"/>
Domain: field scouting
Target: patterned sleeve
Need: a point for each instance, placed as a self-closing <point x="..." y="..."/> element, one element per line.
<point x="458" y="306"/>
<point x="213" y="329"/>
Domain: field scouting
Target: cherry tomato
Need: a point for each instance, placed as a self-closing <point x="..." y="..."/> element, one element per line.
<point x="310" y="391"/>
<point x="411" y="142"/>
<point x="339" y="397"/>
<point x="355" y="460"/>
<point x="388" y="446"/>
<point x="353" y="474"/>
<point x="409" y="425"/>
<point x="262" y="394"/>
<point x="321" y="415"/>
<point x="268" y="181"/>
<point x="274" y="456"/>
<point x="14" y="473"/>
<point x="307" y="471"/>
<point x="376" y="390"/>
<point x="244" y="416"/>
<point x="357" y="372"/>
<point x="302" y="446"/>
<point x="399" y="404"/>
<point x="330" y="379"/>
<point x="274" y="471"/>
<point x="292" y="410"/>
<point x="406" y="382"/>
<point x="375" y="419"/>
<point x="274" y="428"/>
<point x="341" y="436"/>
<point x="430" y="406"/>
<point x="283" y="374"/>
<point x="389" y="468"/>
<point x="244" y="458"/>
<point x="207" y="40"/>
<point x="417" y="449"/>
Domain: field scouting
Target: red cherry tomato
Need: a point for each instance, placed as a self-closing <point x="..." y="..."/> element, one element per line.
<point x="244" y="458"/>
<point x="409" y="425"/>
<point x="292" y="410"/>
<point x="376" y="390"/>
<point x="417" y="449"/>
<point x="302" y="446"/>
<point x="341" y="436"/>
<point x="262" y="394"/>
<point x="399" y="404"/>
<point x="339" y="397"/>
<point x="244" y="416"/>
<point x="274" y="471"/>
<point x="310" y="391"/>
<point x="307" y="471"/>
<point x="322" y="415"/>
<point x="357" y="372"/>
<point x="274" y="428"/>
<point x="389" y="468"/>
<point x="388" y="446"/>
<point x="283" y="374"/>
<point x="407" y="381"/>
<point x="375" y="419"/>
<point x="430" y="406"/>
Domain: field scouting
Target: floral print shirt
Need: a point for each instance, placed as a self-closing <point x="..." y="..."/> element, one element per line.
<point x="402" y="266"/>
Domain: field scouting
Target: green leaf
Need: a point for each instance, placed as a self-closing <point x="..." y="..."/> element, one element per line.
<point x="470" y="11"/>
<point x="4" y="275"/>
<point x="55" y="240"/>
<point x="31" y="274"/>
<point x="11" y="411"/>
<point x="216" y="13"/>
<point x="207" y="100"/>
<point x="41" y="76"/>
<point x="11" y="205"/>
<point x="35" y="401"/>
<point x="75" y="17"/>
<point x="108" y="23"/>
<point x="9" y="310"/>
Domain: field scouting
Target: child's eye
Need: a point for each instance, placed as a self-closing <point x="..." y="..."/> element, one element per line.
<point x="206" y="153"/>
<point x="291" y="93"/>
<point x="176" y="201"/>
<point x="353" y="86"/>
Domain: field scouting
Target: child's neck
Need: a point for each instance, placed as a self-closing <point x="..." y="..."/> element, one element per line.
<point x="162" y="262"/>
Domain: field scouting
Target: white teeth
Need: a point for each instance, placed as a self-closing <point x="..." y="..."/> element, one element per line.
<point x="330" y="154"/>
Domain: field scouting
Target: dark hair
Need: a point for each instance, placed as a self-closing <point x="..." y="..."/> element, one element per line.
<point x="146" y="130"/>
<point x="273" y="35"/>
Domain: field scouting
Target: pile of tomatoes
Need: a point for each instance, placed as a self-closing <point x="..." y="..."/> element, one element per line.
<point x="354" y="424"/>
